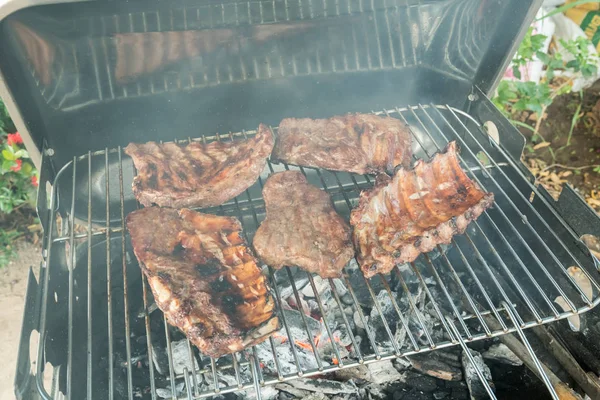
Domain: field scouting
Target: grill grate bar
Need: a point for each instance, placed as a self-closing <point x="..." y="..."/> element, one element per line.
<point x="111" y="388"/>
<point x="89" y="282"/>
<point x="324" y="321"/>
<point x="490" y="264"/>
<point x="511" y="313"/>
<point x="125" y="286"/>
<point x="71" y="279"/>
<point x="467" y="351"/>
<point x="346" y="323"/>
<point x="361" y="315"/>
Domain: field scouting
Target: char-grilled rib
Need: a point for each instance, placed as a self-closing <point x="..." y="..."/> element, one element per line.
<point x="359" y="143"/>
<point x="302" y="228"/>
<point x="197" y="174"/>
<point x="203" y="277"/>
<point x="414" y="211"/>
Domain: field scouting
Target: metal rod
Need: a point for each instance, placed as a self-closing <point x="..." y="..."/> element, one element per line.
<point x="191" y="360"/>
<point x="89" y="282"/>
<point x="71" y="278"/>
<point x="285" y="325"/>
<point x="187" y="383"/>
<point x="399" y="313"/>
<point x="414" y="307"/>
<point x="170" y="357"/>
<point x="214" y="374"/>
<point x="254" y="372"/>
<point x="433" y="301"/>
<point x="448" y="297"/>
<point x="361" y="315"/>
<point x="463" y="289"/>
<point x="467" y="352"/>
<point x="125" y="288"/>
<point x="323" y="314"/>
<point x="236" y="370"/>
<point x="383" y="320"/>
<point x="148" y="338"/>
<point x="346" y="323"/>
<point x="510" y="310"/>
<point x="303" y="317"/>
<point x="111" y="388"/>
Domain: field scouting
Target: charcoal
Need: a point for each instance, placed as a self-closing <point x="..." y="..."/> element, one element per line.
<point x="266" y="393"/>
<point x="433" y="364"/>
<point x="323" y="386"/>
<point x="293" y="391"/>
<point x="320" y="284"/>
<point x="476" y="387"/>
<point x="502" y="354"/>
<point x="165" y="393"/>
<point x="378" y="373"/>
<point x="181" y="357"/>
<point x="420" y="382"/>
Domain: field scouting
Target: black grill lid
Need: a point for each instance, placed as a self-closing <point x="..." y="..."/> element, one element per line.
<point x="80" y="76"/>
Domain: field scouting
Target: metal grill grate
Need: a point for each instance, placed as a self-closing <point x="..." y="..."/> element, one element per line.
<point x="502" y="275"/>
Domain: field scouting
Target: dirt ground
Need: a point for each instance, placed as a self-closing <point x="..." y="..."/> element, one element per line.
<point x="13" y="284"/>
<point x="560" y="160"/>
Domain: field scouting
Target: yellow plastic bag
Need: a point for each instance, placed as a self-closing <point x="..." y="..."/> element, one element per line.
<point x="587" y="16"/>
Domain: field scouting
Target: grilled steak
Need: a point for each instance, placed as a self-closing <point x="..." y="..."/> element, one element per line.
<point x="203" y="277"/>
<point x="359" y="143"/>
<point x="302" y="228"/>
<point x="411" y="213"/>
<point x="197" y="174"/>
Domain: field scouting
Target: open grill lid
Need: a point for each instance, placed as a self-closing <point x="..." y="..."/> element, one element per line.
<point x="80" y="76"/>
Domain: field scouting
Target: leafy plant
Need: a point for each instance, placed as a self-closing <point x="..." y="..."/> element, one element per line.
<point x="514" y="97"/>
<point x="19" y="177"/>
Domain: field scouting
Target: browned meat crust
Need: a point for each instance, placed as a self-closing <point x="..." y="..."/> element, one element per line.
<point x="203" y="277"/>
<point x="414" y="211"/>
<point x="196" y="174"/>
<point x="302" y="228"/>
<point x="359" y="143"/>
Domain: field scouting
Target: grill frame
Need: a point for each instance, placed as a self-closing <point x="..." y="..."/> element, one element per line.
<point x="249" y="209"/>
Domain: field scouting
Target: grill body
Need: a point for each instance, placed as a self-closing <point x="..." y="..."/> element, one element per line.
<point x="83" y="79"/>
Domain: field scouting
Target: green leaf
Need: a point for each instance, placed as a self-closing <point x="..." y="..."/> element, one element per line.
<point x="573" y="64"/>
<point x="543" y="57"/>
<point x="6" y="164"/>
<point x="26" y="169"/>
<point x="22" y="153"/>
<point x="8" y="155"/>
<point x="516" y="71"/>
<point x="589" y="70"/>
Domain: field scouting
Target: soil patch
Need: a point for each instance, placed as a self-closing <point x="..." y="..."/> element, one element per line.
<point x="574" y="160"/>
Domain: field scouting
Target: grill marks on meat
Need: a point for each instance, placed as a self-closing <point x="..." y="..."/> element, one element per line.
<point x="203" y="277"/>
<point x="359" y="143"/>
<point x="302" y="228"/>
<point x="414" y="211"/>
<point x="197" y="174"/>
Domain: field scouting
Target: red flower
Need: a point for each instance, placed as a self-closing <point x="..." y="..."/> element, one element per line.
<point x="34" y="181"/>
<point x="17" y="167"/>
<point x="14" y="138"/>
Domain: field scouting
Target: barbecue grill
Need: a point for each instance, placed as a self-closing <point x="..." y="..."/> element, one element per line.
<point x="78" y="93"/>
